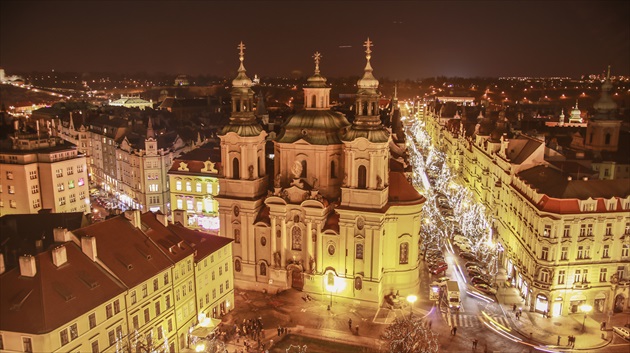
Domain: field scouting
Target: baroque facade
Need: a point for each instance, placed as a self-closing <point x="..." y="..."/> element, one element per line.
<point x="337" y="220"/>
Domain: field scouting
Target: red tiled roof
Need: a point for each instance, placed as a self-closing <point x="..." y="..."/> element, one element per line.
<point x="126" y="251"/>
<point x="55" y="295"/>
<point x="203" y="244"/>
<point x="559" y="206"/>
<point x="401" y="191"/>
<point x="171" y="245"/>
<point x="195" y="161"/>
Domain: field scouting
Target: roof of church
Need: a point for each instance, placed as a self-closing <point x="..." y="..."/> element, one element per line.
<point x="401" y="191"/>
<point x="317" y="127"/>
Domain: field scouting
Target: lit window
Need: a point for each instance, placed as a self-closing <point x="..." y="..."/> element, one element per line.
<point x="81" y="182"/>
<point x="180" y="204"/>
<point x="178" y="185"/>
<point x="404" y="253"/>
<point x="199" y="206"/>
<point x="198" y="187"/>
<point x="209" y="188"/>
<point x="209" y="205"/>
<point x="71" y="184"/>
<point x="189" y="204"/>
<point x="188" y="186"/>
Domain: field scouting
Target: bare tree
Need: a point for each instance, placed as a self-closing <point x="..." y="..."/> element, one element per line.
<point x="411" y="335"/>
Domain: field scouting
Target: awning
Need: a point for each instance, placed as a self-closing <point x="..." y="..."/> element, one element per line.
<point x="600" y="295"/>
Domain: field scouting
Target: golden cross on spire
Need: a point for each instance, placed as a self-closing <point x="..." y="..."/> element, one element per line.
<point x="317" y="56"/>
<point x="241" y="54"/>
<point x="367" y="44"/>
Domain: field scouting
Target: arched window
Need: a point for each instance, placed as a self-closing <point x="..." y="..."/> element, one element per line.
<point x="236" y="168"/>
<point x="359" y="251"/>
<point x="333" y="170"/>
<point x="362" y="177"/>
<point x="607" y="139"/>
<point x="303" y="175"/>
<point x="237" y="265"/>
<point x="313" y="101"/>
<point x="263" y="269"/>
<point x="296" y="238"/>
<point x="404" y="253"/>
<point x="237" y="236"/>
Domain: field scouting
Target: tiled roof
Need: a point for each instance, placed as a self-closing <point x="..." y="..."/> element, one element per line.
<point x="55" y="295"/>
<point x="171" y="245"/>
<point x="195" y="160"/>
<point x="126" y="250"/>
<point x="19" y="232"/>
<point x="203" y="244"/>
<point x="520" y="149"/>
<point x="555" y="184"/>
<point x="401" y="191"/>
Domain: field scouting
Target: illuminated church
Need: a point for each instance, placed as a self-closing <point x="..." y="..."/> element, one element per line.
<point x="340" y="218"/>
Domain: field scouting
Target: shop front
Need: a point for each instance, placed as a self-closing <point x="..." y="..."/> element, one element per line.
<point x="575" y="302"/>
<point x="542" y="303"/>
<point x="599" y="304"/>
<point x="556" y="310"/>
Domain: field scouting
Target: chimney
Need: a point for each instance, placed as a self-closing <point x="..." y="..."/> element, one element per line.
<point x="134" y="217"/>
<point x="2" y="266"/>
<point x="59" y="256"/>
<point x="162" y="218"/>
<point x="88" y="245"/>
<point x="61" y="235"/>
<point x="39" y="245"/>
<point x="28" y="268"/>
<point x="180" y="216"/>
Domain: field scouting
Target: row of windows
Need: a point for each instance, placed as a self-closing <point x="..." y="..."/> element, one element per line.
<point x="584" y="252"/>
<point x="581" y="275"/>
<point x="198" y="187"/>
<point x="207" y="205"/>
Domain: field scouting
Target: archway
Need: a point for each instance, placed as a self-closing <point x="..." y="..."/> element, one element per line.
<point x="296" y="275"/>
<point x="542" y="303"/>
<point x="619" y="302"/>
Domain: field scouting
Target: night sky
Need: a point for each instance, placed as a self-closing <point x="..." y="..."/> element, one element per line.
<point x="412" y="39"/>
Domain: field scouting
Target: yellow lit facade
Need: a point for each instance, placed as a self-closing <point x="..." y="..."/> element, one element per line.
<point x="561" y="252"/>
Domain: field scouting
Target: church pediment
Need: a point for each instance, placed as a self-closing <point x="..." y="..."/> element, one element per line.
<point x="295" y="194"/>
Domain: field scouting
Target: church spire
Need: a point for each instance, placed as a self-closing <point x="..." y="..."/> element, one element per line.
<point x="242" y="120"/>
<point x="150" y="132"/>
<point x="368" y="82"/>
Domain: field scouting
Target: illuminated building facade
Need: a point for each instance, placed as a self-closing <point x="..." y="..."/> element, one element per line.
<point x="564" y="240"/>
<point x="42" y="173"/>
<point x="338" y="220"/>
<point x="194" y="185"/>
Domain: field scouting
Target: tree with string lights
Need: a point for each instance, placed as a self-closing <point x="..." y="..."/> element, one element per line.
<point x="411" y="335"/>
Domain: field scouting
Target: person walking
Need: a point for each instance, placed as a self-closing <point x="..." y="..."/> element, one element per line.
<point x="454" y="331"/>
<point x="474" y="343"/>
<point x="350" y="323"/>
<point x="513" y="307"/>
<point x="357" y="330"/>
<point x="557" y="344"/>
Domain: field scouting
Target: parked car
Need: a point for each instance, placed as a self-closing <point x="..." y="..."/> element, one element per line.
<point x="441" y="281"/>
<point x="479" y="280"/>
<point x="485" y="288"/>
<point x="467" y="256"/>
<point x="439" y="268"/>
<point x="472" y="263"/>
<point x="474" y="272"/>
<point x="624" y="332"/>
<point x="463" y="247"/>
<point x="475" y="268"/>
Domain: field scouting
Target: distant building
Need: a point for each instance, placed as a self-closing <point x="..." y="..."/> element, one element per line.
<point x="194" y="185"/>
<point x="131" y="101"/>
<point x="42" y="172"/>
<point x="182" y="80"/>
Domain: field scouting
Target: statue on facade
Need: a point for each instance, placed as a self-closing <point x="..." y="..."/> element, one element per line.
<point x="311" y="264"/>
<point x="315" y="184"/>
<point x="277" y="181"/>
<point x="250" y="170"/>
<point x="296" y="169"/>
<point x="345" y="179"/>
<point x="276" y="258"/>
<point x="379" y="182"/>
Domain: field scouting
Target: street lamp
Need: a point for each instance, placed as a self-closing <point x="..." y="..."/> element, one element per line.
<point x="585" y="309"/>
<point x="411" y="299"/>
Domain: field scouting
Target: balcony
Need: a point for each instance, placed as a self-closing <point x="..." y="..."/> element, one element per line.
<point x="582" y="285"/>
<point x="541" y="285"/>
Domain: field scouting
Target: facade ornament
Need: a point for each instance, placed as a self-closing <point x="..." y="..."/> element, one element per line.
<point x="315" y="183"/>
<point x="296" y="169"/>
<point x="250" y="171"/>
<point x="379" y="182"/>
<point x="277" y="180"/>
<point x="345" y="179"/>
<point x="276" y="258"/>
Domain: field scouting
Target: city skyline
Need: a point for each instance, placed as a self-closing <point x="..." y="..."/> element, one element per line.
<point x="411" y="39"/>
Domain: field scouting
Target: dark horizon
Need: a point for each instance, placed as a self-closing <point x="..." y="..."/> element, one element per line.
<point x="412" y="40"/>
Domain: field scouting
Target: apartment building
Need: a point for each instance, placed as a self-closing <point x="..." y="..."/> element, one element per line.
<point x="42" y="173"/>
<point x="563" y="238"/>
<point x="194" y="185"/>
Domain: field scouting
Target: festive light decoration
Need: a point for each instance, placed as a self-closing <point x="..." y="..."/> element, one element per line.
<point x="407" y="335"/>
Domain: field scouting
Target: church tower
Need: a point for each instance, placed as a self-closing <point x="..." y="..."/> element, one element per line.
<point x="366" y="151"/>
<point x="602" y="131"/>
<point x="243" y="178"/>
